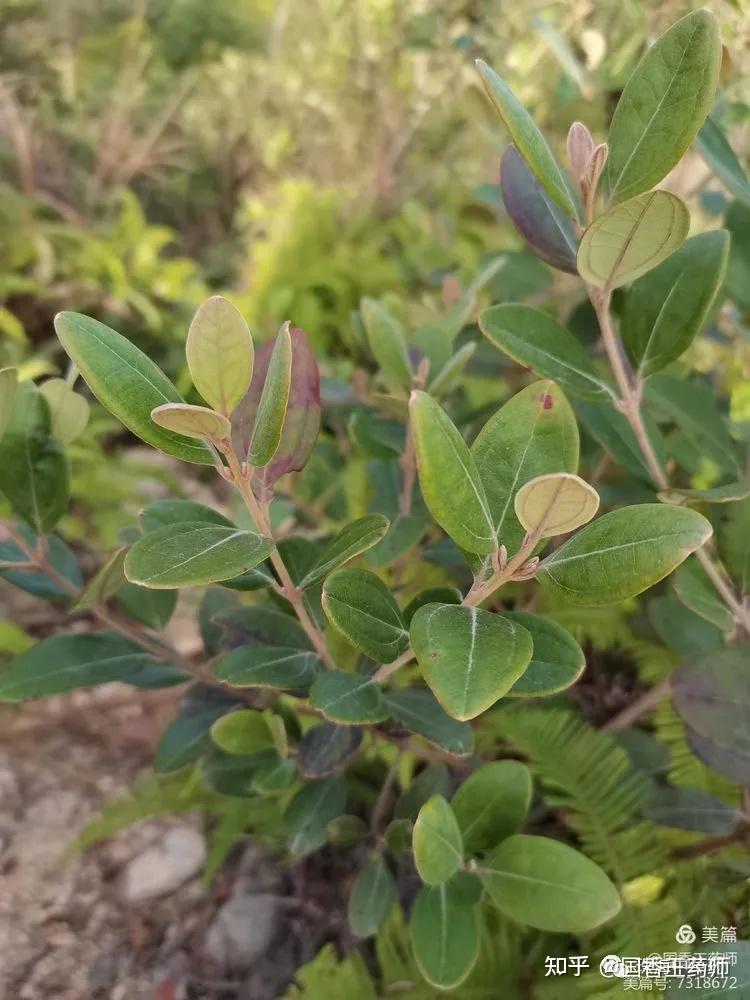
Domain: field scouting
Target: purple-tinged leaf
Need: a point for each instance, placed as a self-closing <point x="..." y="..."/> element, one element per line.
<point x="302" y="420"/>
<point x="580" y="148"/>
<point x="732" y="763"/>
<point x="541" y="222"/>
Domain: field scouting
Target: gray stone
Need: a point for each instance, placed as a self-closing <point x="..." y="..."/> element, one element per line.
<point x="242" y="930"/>
<point x="165" y="866"/>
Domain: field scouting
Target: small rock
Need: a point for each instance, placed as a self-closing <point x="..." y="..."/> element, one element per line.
<point x="164" y="867"/>
<point x="242" y="930"/>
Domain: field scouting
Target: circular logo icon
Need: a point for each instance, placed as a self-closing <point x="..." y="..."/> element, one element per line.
<point x="685" y="935"/>
<point x="611" y="966"/>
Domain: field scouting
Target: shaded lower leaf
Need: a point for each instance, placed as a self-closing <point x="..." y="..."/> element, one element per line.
<point x="352" y="540"/>
<point x="349" y="699"/>
<point x="230" y="774"/>
<point x="695" y="590"/>
<point x="372" y="896"/>
<point x="491" y="804"/>
<point x="327" y="748"/>
<point x="691" y="809"/>
<point x="60" y="557"/>
<point x="261" y="626"/>
<point x="152" y="607"/>
<point x="434" y="779"/>
<point x="310" y="811"/>
<point x="189" y="736"/>
<point x="557" y="660"/>
<point x="419" y="711"/>
<point x="162" y="513"/>
<point x="444" y="935"/>
<point x="268" y="666"/>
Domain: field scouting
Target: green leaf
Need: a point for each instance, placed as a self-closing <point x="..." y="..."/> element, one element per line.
<point x="279" y="667"/>
<point x="470" y="658"/>
<point x="547" y="230"/>
<point x="192" y="553"/>
<point x="387" y="345"/>
<point x="632" y="238"/>
<point x="492" y="803"/>
<point x="242" y="733"/>
<point x="63" y="663"/>
<point x="126" y="382"/>
<point x="734" y="544"/>
<point x="444" y="935"/>
<point x="231" y="774"/>
<point x="68" y="411"/>
<point x="728" y="493"/>
<point x="349" y="699"/>
<point x="436" y="842"/>
<point x="555" y="504"/>
<point x="259" y="625"/>
<point x="667" y="308"/>
<point x="419" y="710"/>
<point x="33" y="467"/>
<point x="613" y="432"/>
<point x="8" y="386"/>
<point x="219" y="351"/>
<point x="273" y="402"/>
<point x="327" y="748"/>
<point x="536" y="340"/>
<point x="693" y="407"/>
<point x="534" y="433"/>
<point x="35" y="582"/>
<point x="361" y="607"/>
<point x="434" y="779"/>
<point x="372" y="896"/>
<point x="152" y="607"/>
<point x="691" y="809"/>
<point x="547" y="885"/>
<point x="715" y="149"/>
<point x="192" y="421"/>
<point x="352" y="540"/>
<point x="449" y="478"/>
<point x="663" y="105"/>
<point x="695" y="590"/>
<point x="161" y="513"/>
<point x="347" y="830"/>
<point x="189" y="736"/>
<point x="623" y="553"/>
<point x="447" y="376"/>
<point x="529" y="141"/>
<point x="105" y="582"/>
<point x="431" y="595"/>
<point x="556" y="662"/>
<point x="680" y="628"/>
<point x="302" y="417"/>
<point x="404" y="532"/>
<point x="310" y="811"/>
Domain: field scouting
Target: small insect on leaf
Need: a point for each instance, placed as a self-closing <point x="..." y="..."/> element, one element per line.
<point x="192" y="421"/>
<point x="219" y="352"/>
<point x="555" y="503"/>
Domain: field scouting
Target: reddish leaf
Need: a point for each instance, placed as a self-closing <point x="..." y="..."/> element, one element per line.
<point x="302" y="420"/>
<point x="544" y="226"/>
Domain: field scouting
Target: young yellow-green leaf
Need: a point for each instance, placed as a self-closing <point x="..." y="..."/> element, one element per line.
<point x="436" y="842"/>
<point x="352" y="540"/>
<point x="536" y="339"/>
<point x="105" y="583"/>
<point x="192" y="553"/>
<point x="450" y="483"/>
<point x="668" y="307"/>
<point x="491" y="804"/>
<point x="348" y="699"/>
<point x="418" y="710"/>
<point x="387" y="345"/>
<point x="555" y="504"/>
<point x="535" y="432"/>
<point x="546" y="884"/>
<point x="192" y="421"/>
<point x="623" y="553"/>
<point x="715" y="149"/>
<point x="728" y="493"/>
<point x="127" y="382"/>
<point x="544" y="226"/>
<point x="663" y="105"/>
<point x="694" y="588"/>
<point x="444" y="931"/>
<point x="557" y="660"/>
<point x="242" y="733"/>
<point x="529" y="141"/>
<point x="269" y="419"/>
<point x="8" y="385"/>
<point x="33" y="466"/>
<point x="64" y="663"/>
<point x="268" y="666"/>
<point x="467" y="656"/>
<point x="632" y="238"/>
<point x="219" y="353"/>
<point x="373" y="894"/>
<point x="361" y="607"/>
<point x="68" y="410"/>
